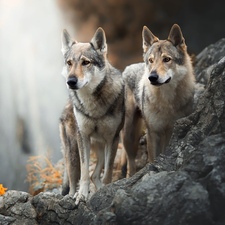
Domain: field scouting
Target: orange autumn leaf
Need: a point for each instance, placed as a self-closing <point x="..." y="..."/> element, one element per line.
<point x="2" y="189"/>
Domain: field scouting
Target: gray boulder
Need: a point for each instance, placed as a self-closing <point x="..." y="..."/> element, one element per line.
<point x="207" y="60"/>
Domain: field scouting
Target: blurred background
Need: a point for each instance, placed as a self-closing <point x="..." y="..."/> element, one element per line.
<point x="32" y="90"/>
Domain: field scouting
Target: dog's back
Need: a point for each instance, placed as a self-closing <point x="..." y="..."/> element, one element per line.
<point x="132" y="75"/>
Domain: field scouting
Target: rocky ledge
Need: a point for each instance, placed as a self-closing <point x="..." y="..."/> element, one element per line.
<point x="184" y="186"/>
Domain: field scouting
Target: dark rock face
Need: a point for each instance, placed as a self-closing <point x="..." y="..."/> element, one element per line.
<point x="184" y="186"/>
<point x="194" y="194"/>
<point x="207" y="60"/>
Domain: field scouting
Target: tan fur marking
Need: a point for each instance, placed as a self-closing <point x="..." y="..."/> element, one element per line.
<point x="151" y="56"/>
<point x="161" y="69"/>
<point x="166" y="55"/>
<point x="85" y="58"/>
<point x="77" y="71"/>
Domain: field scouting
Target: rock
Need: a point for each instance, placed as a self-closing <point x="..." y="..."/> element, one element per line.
<point x="199" y="89"/>
<point x="207" y="60"/>
<point x="5" y="220"/>
<point x="16" y="208"/>
<point x="184" y="186"/>
<point x="56" y="209"/>
<point x="194" y="194"/>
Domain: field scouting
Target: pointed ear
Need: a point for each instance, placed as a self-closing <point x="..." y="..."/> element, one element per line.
<point x="176" y="36"/>
<point x="148" y="39"/>
<point x="99" y="41"/>
<point x="67" y="41"/>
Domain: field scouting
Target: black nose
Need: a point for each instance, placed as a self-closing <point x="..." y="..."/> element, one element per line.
<point x="72" y="82"/>
<point x="153" y="77"/>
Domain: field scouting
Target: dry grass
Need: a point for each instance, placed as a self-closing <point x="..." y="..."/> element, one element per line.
<point x="42" y="175"/>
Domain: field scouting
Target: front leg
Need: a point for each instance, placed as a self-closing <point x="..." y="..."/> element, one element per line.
<point x="153" y="145"/>
<point x="84" y="152"/>
<point x="110" y="153"/>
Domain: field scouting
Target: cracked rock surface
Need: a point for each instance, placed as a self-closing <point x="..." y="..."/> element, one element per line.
<point x="207" y="60"/>
<point x="184" y="186"/>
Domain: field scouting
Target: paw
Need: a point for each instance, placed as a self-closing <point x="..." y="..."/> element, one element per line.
<point x="79" y="198"/>
<point x="82" y="194"/>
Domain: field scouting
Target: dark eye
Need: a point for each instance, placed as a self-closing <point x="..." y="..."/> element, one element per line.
<point x="167" y="59"/>
<point x="151" y="60"/>
<point x="85" y="62"/>
<point x="69" y="63"/>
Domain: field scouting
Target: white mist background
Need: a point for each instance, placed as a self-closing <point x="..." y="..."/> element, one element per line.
<point x="32" y="89"/>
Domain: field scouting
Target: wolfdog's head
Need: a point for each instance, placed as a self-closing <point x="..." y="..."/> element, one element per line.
<point x="165" y="60"/>
<point x="83" y="61"/>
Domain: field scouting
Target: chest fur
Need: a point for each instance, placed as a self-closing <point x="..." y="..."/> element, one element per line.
<point x="163" y="107"/>
<point x="100" y="129"/>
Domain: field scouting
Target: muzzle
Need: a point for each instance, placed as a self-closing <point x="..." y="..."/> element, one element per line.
<point x="156" y="80"/>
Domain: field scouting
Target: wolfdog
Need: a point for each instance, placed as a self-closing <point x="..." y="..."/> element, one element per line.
<point x="94" y="114"/>
<point x="159" y="91"/>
